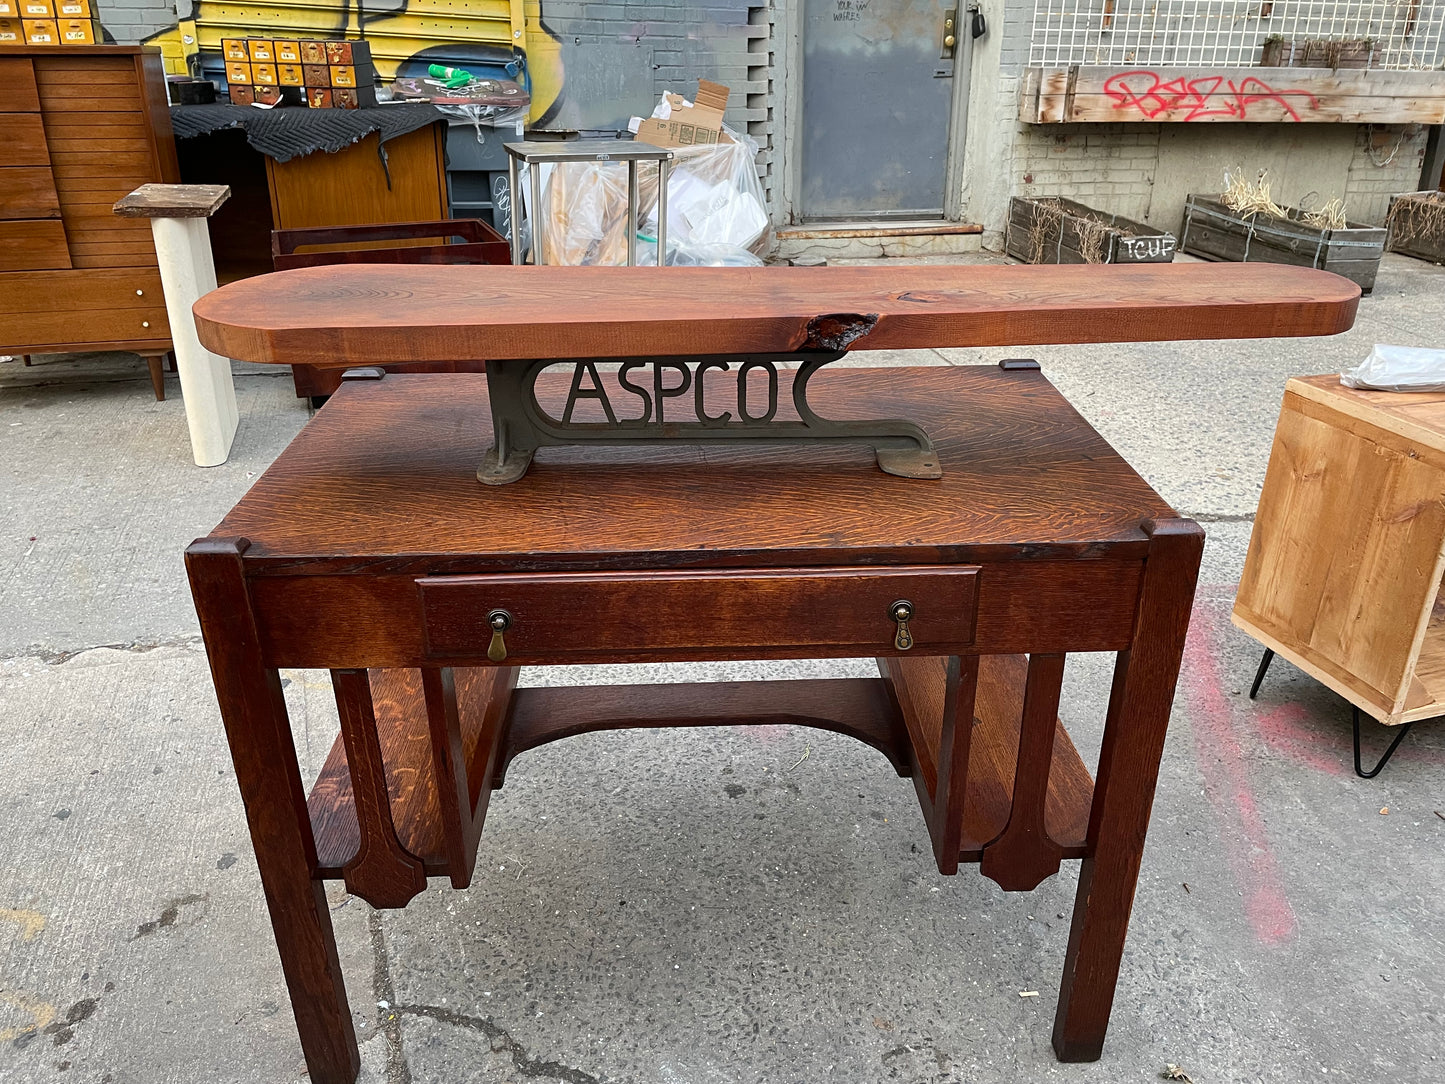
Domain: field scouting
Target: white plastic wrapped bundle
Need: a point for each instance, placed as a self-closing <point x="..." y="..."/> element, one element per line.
<point x="714" y="197"/>
<point x="1398" y="368"/>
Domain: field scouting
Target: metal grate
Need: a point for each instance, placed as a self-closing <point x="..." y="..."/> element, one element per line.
<point x="1231" y="33"/>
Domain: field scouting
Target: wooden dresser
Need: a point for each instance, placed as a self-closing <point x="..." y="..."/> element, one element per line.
<point x="81" y="126"/>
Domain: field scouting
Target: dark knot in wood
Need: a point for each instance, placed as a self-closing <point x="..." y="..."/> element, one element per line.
<point x="838" y="330"/>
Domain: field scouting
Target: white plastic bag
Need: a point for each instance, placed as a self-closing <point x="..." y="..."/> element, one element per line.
<point x="1398" y="368"/>
<point x="694" y="254"/>
<point x="714" y="197"/>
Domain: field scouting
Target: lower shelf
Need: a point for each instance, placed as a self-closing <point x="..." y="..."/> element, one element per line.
<point x="860" y="707"/>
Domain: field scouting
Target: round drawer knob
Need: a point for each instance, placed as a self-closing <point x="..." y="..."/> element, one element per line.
<point x="140" y="293"/>
<point x="145" y="323"/>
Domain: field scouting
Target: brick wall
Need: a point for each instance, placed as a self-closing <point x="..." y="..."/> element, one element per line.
<point x="678" y="42"/>
<point x="1387" y="160"/>
<point x="128" y="21"/>
<point x="1111" y="164"/>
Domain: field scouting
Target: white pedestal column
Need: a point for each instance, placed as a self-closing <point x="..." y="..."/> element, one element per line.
<point x="183" y="247"/>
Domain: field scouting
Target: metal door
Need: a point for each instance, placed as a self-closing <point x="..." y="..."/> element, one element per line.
<point x="877" y="93"/>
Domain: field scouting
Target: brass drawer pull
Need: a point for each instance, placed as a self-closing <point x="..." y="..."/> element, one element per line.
<point x="500" y="621"/>
<point x="902" y="612"/>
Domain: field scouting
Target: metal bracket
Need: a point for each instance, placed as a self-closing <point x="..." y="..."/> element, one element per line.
<point x="520" y="425"/>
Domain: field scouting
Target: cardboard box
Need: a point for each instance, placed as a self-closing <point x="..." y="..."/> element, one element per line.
<point x="338" y="52"/>
<point x="313" y="52"/>
<point x="234" y="49"/>
<point x="41" y="32"/>
<point x="237" y="72"/>
<point x="315" y="75"/>
<point x="242" y="94"/>
<point x="345" y="98"/>
<point x="9" y="9"/>
<point x="343" y="75"/>
<point x="288" y="52"/>
<point x="76" y="31"/>
<point x="266" y="95"/>
<point x="290" y="75"/>
<point x="262" y="50"/>
<point x="11" y="32"/>
<point x="264" y="74"/>
<point x="37" y="9"/>
<point x="72" y="9"/>
<point x="688" y="125"/>
<point x="318" y="97"/>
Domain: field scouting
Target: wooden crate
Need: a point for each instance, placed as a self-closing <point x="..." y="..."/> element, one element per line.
<point x="1405" y="230"/>
<point x="1213" y="231"/>
<point x="1054" y="230"/>
<point x="1344" y="567"/>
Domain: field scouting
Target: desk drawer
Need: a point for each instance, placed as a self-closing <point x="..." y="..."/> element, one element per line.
<point x="836" y="611"/>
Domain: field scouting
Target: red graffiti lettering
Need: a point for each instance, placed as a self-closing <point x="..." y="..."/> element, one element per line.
<point x="1203" y="96"/>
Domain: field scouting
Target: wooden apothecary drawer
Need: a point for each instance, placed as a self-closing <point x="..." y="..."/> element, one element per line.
<point x="834" y="611"/>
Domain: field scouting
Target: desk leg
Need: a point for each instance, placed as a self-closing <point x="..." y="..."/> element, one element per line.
<point x="1139" y="705"/>
<point x="254" y="712"/>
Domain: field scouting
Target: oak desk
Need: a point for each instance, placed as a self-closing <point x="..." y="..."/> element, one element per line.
<point x="369" y="548"/>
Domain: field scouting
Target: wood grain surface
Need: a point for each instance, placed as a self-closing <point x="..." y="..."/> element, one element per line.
<point x="386" y="471"/>
<point x="984" y="775"/>
<point x="354" y="315"/>
<point x="1346" y="557"/>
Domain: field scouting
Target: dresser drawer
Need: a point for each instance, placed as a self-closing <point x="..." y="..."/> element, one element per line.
<point x="743" y="614"/>
<point x="28" y="192"/>
<point x="23" y="137"/>
<point x="17" y="86"/>
<point x="82" y="309"/>
<point x="36" y="244"/>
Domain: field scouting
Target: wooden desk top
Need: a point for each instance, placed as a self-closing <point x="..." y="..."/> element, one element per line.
<point x="367" y="314"/>
<point x="384" y="479"/>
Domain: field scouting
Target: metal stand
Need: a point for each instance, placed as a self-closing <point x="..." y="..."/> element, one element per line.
<point x="1354" y="722"/>
<point x="520" y="425"/>
<point x="1360" y="771"/>
<point x="1259" y="674"/>
<point x="630" y="152"/>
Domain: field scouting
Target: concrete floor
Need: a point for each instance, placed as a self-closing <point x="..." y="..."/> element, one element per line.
<point x="749" y="907"/>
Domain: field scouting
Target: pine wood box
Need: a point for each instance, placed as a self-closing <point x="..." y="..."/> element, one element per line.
<point x="1211" y="230"/>
<point x="1036" y="234"/>
<point x="1344" y="567"/>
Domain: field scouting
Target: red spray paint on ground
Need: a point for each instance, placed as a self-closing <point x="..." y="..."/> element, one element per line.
<point x="1221" y="759"/>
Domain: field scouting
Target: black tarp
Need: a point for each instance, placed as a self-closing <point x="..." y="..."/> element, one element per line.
<point x="288" y="132"/>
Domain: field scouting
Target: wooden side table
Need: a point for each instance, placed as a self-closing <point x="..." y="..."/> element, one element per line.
<point x="1346" y="557"/>
<point x="371" y="549"/>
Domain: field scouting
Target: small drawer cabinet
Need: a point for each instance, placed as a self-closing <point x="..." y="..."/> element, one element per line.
<point x="82" y="127"/>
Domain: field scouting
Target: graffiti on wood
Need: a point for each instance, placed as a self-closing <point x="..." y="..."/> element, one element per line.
<point x="1202" y="96"/>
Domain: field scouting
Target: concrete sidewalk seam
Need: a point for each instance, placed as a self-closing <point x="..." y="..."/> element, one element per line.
<point x="52" y="657"/>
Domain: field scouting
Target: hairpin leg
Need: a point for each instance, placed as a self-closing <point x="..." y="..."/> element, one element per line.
<point x="1359" y="770"/>
<point x="1259" y="674"/>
